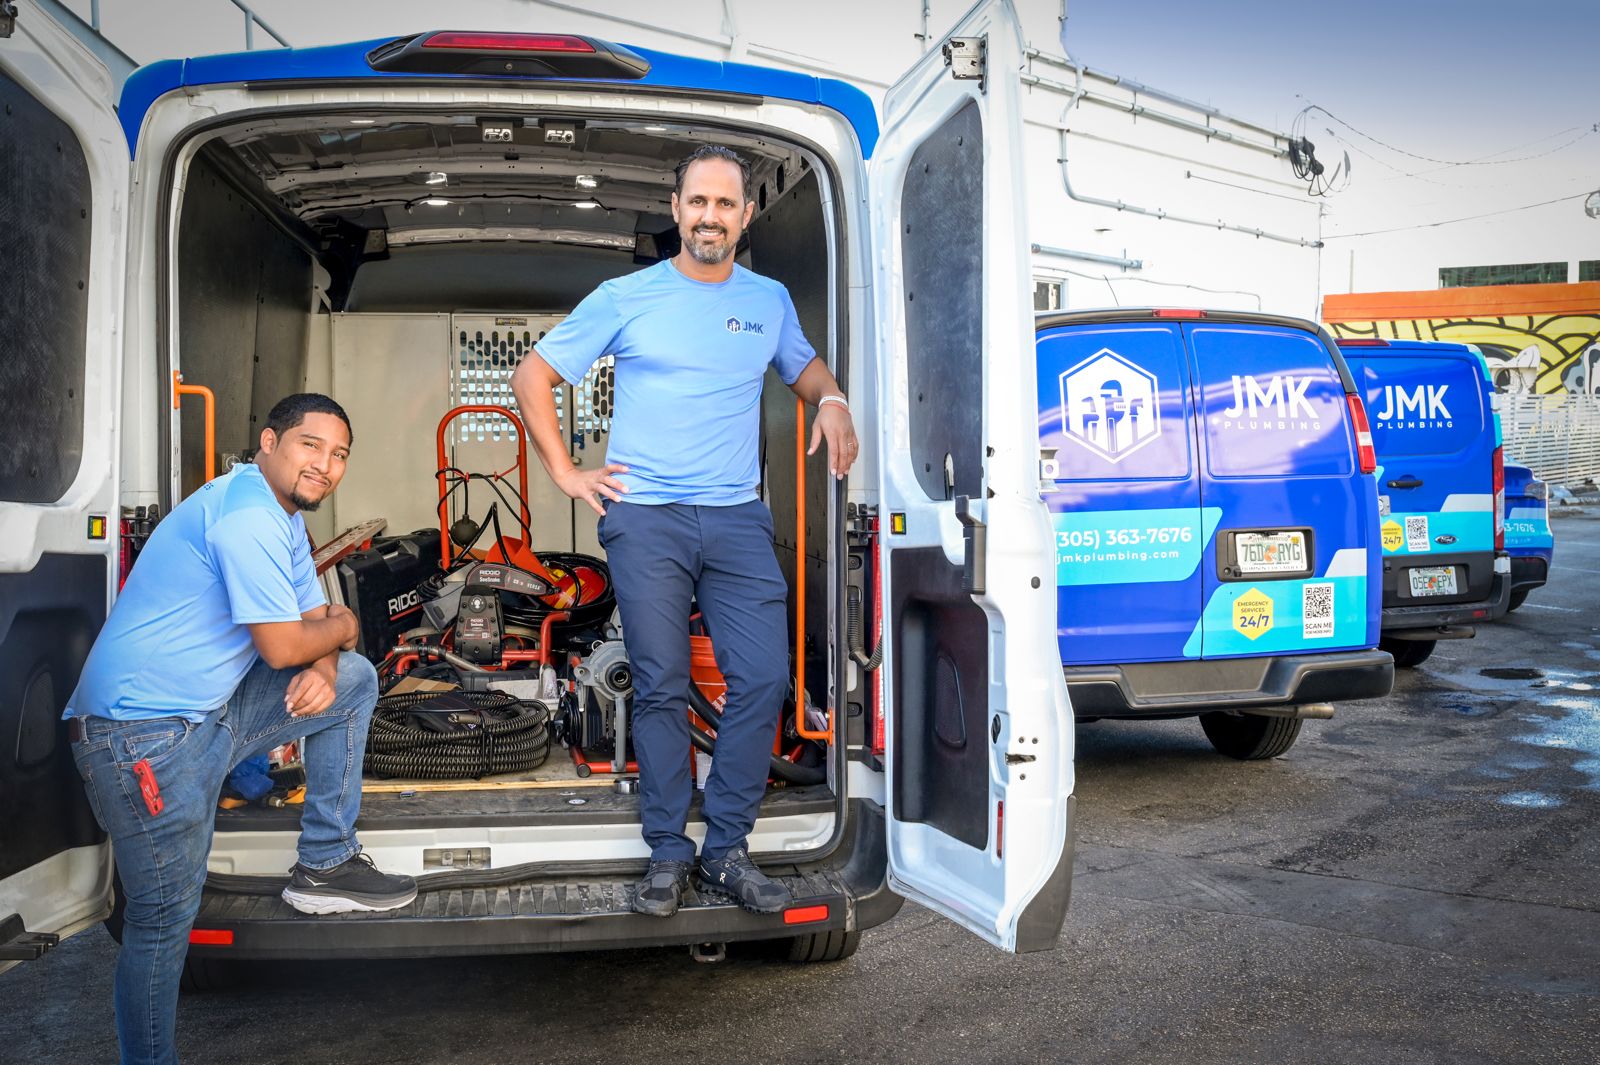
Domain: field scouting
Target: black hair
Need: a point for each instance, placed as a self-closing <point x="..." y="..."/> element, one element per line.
<point x="715" y="151"/>
<point x="290" y="411"/>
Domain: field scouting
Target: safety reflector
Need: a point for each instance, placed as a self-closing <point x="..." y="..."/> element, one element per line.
<point x="508" y="42"/>
<point x="805" y="914"/>
<point x="97" y="526"/>
<point x="1000" y="828"/>
<point x="212" y="937"/>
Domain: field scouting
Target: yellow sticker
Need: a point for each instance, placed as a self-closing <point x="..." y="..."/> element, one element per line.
<point x="1393" y="535"/>
<point x="1252" y="614"/>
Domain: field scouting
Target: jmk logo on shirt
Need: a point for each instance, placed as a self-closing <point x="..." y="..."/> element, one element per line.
<point x="736" y="326"/>
<point x="1422" y="407"/>
<point x="1280" y="404"/>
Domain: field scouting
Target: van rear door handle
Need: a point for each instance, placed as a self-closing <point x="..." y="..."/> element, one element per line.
<point x="974" y="569"/>
<point x="1407" y="482"/>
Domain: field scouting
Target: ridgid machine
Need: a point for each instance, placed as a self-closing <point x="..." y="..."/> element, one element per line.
<point x="489" y="651"/>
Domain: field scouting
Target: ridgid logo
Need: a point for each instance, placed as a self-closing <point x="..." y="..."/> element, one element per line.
<point x="1422" y="407"/>
<point x="1281" y="403"/>
<point x="736" y="326"/>
<point x="1109" y="405"/>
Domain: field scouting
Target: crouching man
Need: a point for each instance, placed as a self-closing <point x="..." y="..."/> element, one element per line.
<point x="222" y="646"/>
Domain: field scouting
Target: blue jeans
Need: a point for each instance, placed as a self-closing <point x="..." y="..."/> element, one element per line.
<point x="662" y="558"/>
<point x="161" y="857"/>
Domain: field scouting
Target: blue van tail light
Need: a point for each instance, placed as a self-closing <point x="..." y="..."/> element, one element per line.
<point x="1362" y="342"/>
<point x="1499" y="499"/>
<point x="1358" y="421"/>
<point x="488" y="54"/>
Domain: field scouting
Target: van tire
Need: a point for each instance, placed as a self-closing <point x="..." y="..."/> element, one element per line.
<point x="824" y="946"/>
<point x="1408" y="653"/>
<point x="1250" y="737"/>
<point x="203" y="976"/>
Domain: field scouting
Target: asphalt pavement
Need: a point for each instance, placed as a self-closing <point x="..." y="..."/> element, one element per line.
<point x="1415" y="881"/>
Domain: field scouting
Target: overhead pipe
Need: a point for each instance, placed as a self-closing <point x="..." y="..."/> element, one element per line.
<point x="1086" y="256"/>
<point x="1119" y="205"/>
<point x="1139" y="111"/>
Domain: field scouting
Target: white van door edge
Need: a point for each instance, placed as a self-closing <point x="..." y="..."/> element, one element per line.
<point x="62" y="239"/>
<point x="979" y="729"/>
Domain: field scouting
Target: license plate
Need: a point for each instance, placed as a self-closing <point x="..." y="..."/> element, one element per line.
<point x="1432" y="580"/>
<point x="1275" y="552"/>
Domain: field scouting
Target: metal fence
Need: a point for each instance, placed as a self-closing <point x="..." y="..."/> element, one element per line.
<point x="1557" y="434"/>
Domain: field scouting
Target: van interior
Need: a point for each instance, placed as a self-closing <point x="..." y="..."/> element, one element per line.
<point x="403" y="263"/>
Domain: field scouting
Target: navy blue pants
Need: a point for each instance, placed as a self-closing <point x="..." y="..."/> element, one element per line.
<point x="661" y="558"/>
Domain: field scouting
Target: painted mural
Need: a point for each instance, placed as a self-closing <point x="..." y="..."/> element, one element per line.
<point x="1536" y="338"/>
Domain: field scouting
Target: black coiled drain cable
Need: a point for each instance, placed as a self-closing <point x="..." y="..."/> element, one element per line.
<point x="455" y="735"/>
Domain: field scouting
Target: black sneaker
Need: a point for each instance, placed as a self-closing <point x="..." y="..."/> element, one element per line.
<point x="353" y="885"/>
<point x="661" y="890"/>
<point x="734" y="876"/>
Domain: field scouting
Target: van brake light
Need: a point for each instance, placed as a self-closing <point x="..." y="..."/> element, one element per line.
<point x="519" y="55"/>
<point x="1361" y="342"/>
<point x="1176" y="312"/>
<point x="508" y="42"/>
<point x="1363" y="431"/>
<point x="1499" y="499"/>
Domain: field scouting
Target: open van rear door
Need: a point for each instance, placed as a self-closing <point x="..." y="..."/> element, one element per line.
<point x="979" y="730"/>
<point x="64" y="169"/>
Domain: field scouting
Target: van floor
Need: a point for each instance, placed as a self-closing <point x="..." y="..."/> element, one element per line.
<point x="435" y="807"/>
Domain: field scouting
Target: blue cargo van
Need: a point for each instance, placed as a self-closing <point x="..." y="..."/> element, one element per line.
<point x="1209" y="477"/>
<point x="1441" y="490"/>
<point x="394" y="222"/>
<point x="1529" y="539"/>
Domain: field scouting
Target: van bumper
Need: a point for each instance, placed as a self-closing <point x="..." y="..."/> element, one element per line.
<point x="1446" y="621"/>
<point x="1529" y="572"/>
<point x="1177" y="689"/>
<point x="487" y="913"/>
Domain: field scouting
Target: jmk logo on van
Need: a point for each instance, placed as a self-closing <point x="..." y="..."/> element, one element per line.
<point x="1422" y="407"/>
<point x="1110" y="405"/>
<point x="1279" y="404"/>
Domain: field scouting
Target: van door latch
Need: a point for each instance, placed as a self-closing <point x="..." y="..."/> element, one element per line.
<point x="1049" y="470"/>
<point x="967" y="58"/>
<point x="974" y="568"/>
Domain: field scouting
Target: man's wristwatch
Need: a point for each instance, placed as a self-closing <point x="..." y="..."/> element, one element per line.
<point x="833" y="399"/>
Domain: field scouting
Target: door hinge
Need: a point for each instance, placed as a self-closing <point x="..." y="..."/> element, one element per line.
<point x="967" y="58"/>
<point x="19" y="944"/>
<point x="8" y="18"/>
<point x="974" y="563"/>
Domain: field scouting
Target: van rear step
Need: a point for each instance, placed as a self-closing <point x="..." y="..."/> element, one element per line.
<point x="532" y="916"/>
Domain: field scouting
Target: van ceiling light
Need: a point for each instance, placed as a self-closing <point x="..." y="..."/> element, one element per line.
<point x="586" y="205"/>
<point x="436" y="177"/>
<point x="655" y="129"/>
<point x="436" y="201"/>
<point x="587" y="181"/>
<point x="517" y="55"/>
<point x="363" y="121"/>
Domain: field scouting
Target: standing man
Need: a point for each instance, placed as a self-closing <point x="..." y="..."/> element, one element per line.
<point x="692" y="337"/>
<point x="221" y="646"/>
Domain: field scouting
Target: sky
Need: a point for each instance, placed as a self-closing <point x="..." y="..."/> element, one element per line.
<point x="1510" y="89"/>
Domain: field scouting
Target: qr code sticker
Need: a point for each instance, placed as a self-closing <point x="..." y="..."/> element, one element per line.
<point x="1316" y="610"/>
<point x="1417" y="532"/>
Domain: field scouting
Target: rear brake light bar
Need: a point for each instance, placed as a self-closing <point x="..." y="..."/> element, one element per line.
<point x="1176" y="312"/>
<point x="1363" y="430"/>
<point x="507" y="42"/>
<point x="525" y="55"/>
<point x="1361" y="342"/>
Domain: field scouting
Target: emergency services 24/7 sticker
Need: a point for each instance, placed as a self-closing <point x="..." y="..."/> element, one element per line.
<point x="1252" y="614"/>
<point x="1393" y="535"/>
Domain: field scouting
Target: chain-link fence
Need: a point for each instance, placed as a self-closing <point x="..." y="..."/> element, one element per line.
<point x="1557" y="435"/>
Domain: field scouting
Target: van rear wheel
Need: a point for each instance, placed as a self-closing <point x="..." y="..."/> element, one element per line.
<point x="1250" y="737"/>
<point x="205" y="975"/>
<point x="824" y="946"/>
<point x="1408" y="653"/>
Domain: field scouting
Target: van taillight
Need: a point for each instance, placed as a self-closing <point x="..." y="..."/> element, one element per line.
<point x="1499" y="499"/>
<point x="1362" y="342"/>
<point x="1176" y="312"/>
<point x="508" y="42"/>
<point x="1358" y="422"/>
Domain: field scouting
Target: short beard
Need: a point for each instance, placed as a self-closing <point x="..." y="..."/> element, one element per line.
<point x="302" y="503"/>
<point x="709" y="254"/>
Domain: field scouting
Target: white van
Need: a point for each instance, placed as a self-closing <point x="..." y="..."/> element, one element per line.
<point x="392" y="222"/>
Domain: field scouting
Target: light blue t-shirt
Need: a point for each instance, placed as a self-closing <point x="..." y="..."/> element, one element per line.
<point x="690" y="357"/>
<point x="176" y="642"/>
